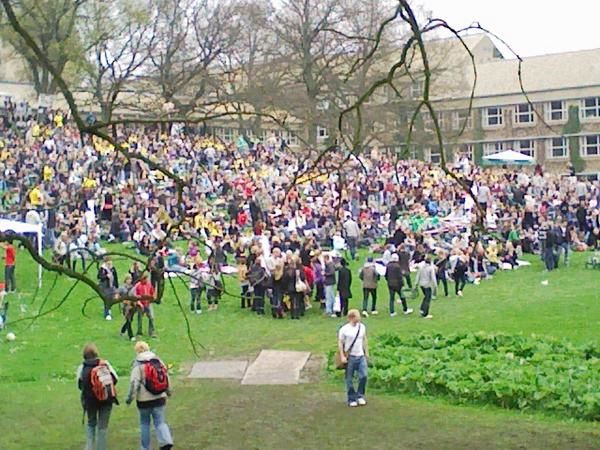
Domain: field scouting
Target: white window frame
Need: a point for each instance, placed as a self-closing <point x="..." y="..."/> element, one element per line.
<point x="499" y="116"/>
<point x="469" y="149"/>
<point x="322" y="133"/>
<point x="433" y="155"/>
<point x="458" y="119"/>
<point x="417" y="89"/>
<point x="551" y="146"/>
<point x="590" y="112"/>
<point x="427" y="121"/>
<point x="585" y="146"/>
<point x="526" y="117"/>
<point x="491" y="148"/>
<point x="442" y="120"/>
<point x="550" y="111"/>
<point x="525" y="150"/>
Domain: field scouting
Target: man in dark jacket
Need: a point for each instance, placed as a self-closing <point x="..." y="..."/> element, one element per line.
<point x="394" y="276"/>
<point x="404" y="260"/>
<point x="344" y="286"/>
<point x="98" y="412"/>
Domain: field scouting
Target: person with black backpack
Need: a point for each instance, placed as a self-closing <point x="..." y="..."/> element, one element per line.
<point x="96" y="379"/>
<point x="149" y="386"/>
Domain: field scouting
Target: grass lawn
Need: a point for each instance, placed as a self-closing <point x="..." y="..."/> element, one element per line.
<point x="40" y="406"/>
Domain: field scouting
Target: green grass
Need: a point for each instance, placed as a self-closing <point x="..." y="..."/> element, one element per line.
<point x="40" y="402"/>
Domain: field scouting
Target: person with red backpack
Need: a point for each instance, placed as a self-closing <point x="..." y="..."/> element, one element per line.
<point x="149" y="386"/>
<point x="96" y="380"/>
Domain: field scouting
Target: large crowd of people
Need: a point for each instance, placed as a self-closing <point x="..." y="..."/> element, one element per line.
<point x="290" y="239"/>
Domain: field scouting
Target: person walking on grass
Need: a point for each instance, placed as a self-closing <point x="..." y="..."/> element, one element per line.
<point x="10" y="257"/>
<point x="149" y="387"/>
<point x="354" y="350"/>
<point x="329" y="284"/>
<point x="427" y="281"/>
<point x="96" y="379"/>
<point x="369" y="276"/>
<point x="144" y="291"/>
<point x="394" y="278"/>
<point x="344" y="287"/>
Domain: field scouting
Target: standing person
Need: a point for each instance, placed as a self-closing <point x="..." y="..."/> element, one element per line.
<point x="394" y="278"/>
<point x="441" y="265"/>
<point x="344" y="287"/>
<point x="109" y="282"/>
<point x="214" y="287"/>
<point x="352" y="235"/>
<point x="404" y="260"/>
<point x="257" y="277"/>
<point x="96" y="379"/>
<point x="196" y="289"/>
<point x="149" y="386"/>
<point x="460" y="275"/>
<point x="426" y="279"/>
<point x="329" y="283"/>
<point x="144" y="291"/>
<point x="10" y="258"/>
<point x="353" y="346"/>
<point x="369" y="277"/>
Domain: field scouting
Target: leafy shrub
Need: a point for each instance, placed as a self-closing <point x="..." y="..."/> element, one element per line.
<point x="511" y="371"/>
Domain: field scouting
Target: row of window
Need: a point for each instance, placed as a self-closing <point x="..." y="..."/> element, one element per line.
<point x="230" y="134"/>
<point x="556" y="148"/>
<point x="554" y="111"/>
<point x="524" y="114"/>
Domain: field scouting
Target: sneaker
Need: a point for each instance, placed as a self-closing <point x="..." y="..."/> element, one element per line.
<point x="361" y="402"/>
<point x="428" y="317"/>
<point x="374" y="312"/>
<point x="132" y="339"/>
<point x="109" y="317"/>
<point x="408" y="311"/>
<point x="460" y="294"/>
<point x="365" y="314"/>
<point x="353" y="404"/>
<point x="198" y="311"/>
<point x="334" y="316"/>
<point x="393" y="314"/>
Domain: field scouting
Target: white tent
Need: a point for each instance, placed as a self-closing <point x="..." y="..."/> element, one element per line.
<point x="508" y="157"/>
<point x="25" y="228"/>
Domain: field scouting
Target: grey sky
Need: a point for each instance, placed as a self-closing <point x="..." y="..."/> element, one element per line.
<point x="531" y="27"/>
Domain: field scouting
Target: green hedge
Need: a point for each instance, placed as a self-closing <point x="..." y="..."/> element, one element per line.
<point x="514" y="372"/>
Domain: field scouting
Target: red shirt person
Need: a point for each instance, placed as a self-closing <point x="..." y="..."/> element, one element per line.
<point x="10" y="258"/>
<point x="144" y="290"/>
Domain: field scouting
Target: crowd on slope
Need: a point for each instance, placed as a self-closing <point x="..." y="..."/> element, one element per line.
<point x="288" y="233"/>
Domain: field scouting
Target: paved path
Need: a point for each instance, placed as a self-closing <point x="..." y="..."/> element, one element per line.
<point x="276" y="367"/>
<point x="219" y="369"/>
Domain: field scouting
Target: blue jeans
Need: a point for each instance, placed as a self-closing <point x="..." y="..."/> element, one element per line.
<point x="356" y="364"/>
<point x="352" y="243"/>
<point x="329" y="298"/>
<point x="97" y="427"/>
<point x="163" y="434"/>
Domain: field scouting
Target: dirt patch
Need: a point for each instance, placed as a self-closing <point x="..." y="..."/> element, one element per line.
<point x="314" y="369"/>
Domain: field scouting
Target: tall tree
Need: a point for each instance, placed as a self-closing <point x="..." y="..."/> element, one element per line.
<point x="53" y="26"/>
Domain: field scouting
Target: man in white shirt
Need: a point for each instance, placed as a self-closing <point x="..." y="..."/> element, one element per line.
<point x="353" y="347"/>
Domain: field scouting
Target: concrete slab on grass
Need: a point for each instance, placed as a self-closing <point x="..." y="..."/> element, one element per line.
<point x="219" y="369"/>
<point x="276" y="367"/>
